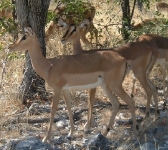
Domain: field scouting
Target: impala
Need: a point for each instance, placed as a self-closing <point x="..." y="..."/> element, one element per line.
<point x="150" y="23"/>
<point x="139" y="57"/>
<point x="160" y="45"/>
<point x="162" y="7"/>
<point x="85" y="71"/>
<point x="6" y="13"/>
<point x="163" y="64"/>
<point x="71" y="19"/>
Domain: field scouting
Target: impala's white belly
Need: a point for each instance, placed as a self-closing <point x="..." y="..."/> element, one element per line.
<point x="99" y="82"/>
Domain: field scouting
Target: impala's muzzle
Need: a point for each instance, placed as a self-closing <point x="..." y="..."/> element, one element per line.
<point x="69" y="32"/>
<point x="10" y="47"/>
<point x="63" y="41"/>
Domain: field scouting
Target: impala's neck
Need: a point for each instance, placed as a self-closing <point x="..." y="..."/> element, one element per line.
<point x="77" y="48"/>
<point x="40" y="64"/>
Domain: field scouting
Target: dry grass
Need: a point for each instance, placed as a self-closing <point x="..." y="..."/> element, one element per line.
<point x="9" y="104"/>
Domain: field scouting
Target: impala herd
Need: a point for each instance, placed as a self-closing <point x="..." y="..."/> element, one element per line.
<point x="106" y="68"/>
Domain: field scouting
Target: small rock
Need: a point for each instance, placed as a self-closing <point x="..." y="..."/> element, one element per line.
<point x="122" y="147"/>
<point x="126" y="133"/>
<point x="99" y="142"/>
<point x="3" y="141"/>
<point x="122" y="115"/>
<point x="36" y="109"/>
<point x="27" y="144"/>
<point x="10" y="145"/>
<point x="139" y="118"/>
<point x="37" y="125"/>
<point x="160" y="92"/>
<point x="148" y="146"/>
<point x="83" y="95"/>
<point x="148" y="137"/>
<point x="165" y="136"/>
<point x="163" y="114"/>
<point x="121" y="119"/>
<point x="85" y="142"/>
<point x="164" y="147"/>
<point x="159" y="132"/>
<point x="61" y="124"/>
<point x="59" y="140"/>
<point x="33" y="108"/>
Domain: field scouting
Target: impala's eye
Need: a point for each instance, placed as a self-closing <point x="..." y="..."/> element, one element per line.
<point x="23" y="38"/>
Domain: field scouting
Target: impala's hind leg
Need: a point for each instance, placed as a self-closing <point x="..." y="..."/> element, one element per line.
<point x="141" y="73"/>
<point x="131" y="104"/>
<point x="115" y="105"/>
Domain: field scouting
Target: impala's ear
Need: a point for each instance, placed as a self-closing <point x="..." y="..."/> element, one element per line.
<point x="62" y="23"/>
<point x="84" y="23"/>
<point x="28" y="30"/>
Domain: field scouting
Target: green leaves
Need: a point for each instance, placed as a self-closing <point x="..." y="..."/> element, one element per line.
<point x="6" y="4"/>
<point x="73" y="9"/>
<point x="6" y="22"/>
<point x="154" y="26"/>
<point x="76" y="9"/>
<point x="50" y="16"/>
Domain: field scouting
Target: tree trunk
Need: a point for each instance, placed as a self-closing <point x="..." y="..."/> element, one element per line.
<point x="32" y="13"/>
<point x="126" y="19"/>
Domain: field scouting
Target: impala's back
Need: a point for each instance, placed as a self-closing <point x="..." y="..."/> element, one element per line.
<point x="161" y="6"/>
<point x="157" y="43"/>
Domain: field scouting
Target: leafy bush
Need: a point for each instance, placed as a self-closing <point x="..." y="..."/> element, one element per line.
<point x="7" y="23"/>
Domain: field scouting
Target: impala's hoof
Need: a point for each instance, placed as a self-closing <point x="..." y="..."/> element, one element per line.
<point x="86" y="128"/>
<point x="69" y="136"/>
<point x="105" y="132"/>
<point x="44" y="140"/>
<point x="132" y="96"/>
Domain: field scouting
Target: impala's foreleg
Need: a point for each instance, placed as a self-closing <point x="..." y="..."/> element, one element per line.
<point x="53" y="111"/>
<point x="90" y="119"/>
<point x="67" y="97"/>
